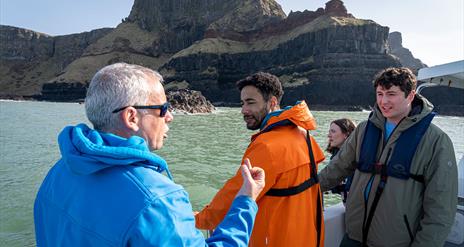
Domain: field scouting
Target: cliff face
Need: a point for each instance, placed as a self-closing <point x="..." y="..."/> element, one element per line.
<point x="395" y="45"/>
<point x="446" y="100"/>
<point x="29" y="59"/>
<point x="326" y="56"/>
<point x="325" y="60"/>
<point x="182" y="22"/>
<point x="152" y="33"/>
<point x="23" y="44"/>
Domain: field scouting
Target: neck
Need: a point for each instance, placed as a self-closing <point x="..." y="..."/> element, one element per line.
<point x="121" y="133"/>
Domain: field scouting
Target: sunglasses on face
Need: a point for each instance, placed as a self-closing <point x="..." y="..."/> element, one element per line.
<point x="164" y="108"/>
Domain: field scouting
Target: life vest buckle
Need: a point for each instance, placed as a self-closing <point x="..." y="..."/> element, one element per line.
<point x="378" y="168"/>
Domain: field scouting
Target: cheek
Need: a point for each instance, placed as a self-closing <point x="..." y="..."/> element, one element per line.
<point x="339" y="137"/>
<point x="380" y="100"/>
<point x="159" y="128"/>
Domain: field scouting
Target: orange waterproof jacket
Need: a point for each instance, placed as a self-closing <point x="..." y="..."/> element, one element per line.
<point x="283" y="153"/>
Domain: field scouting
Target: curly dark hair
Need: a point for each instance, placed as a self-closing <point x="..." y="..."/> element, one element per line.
<point x="268" y="84"/>
<point x="401" y="77"/>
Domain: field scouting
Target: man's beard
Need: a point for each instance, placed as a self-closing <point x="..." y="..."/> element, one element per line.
<point x="258" y="119"/>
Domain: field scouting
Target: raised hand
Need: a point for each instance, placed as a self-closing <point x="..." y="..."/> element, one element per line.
<point x="253" y="180"/>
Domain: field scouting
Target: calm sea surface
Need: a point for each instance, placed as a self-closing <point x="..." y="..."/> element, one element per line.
<point x="202" y="151"/>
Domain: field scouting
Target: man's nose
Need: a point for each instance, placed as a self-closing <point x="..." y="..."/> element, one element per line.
<point x="169" y="117"/>
<point x="244" y="110"/>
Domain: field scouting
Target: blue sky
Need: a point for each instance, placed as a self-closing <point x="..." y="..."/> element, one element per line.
<point x="432" y="29"/>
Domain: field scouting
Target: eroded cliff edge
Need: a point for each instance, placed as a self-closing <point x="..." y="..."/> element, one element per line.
<point x="326" y="56"/>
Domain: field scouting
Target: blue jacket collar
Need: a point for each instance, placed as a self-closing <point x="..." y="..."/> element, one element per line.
<point x="88" y="151"/>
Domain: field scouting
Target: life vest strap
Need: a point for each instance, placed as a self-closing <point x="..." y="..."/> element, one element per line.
<point x="378" y="170"/>
<point x="292" y="190"/>
<point x="378" y="193"/>
<point x="417" y="178"/>
<point x="306" y="184"/>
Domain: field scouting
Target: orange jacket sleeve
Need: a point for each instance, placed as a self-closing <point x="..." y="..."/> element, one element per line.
<point x="211" y="215"/>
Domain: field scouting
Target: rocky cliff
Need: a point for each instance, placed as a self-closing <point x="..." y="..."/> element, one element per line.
<point x="326" y="56"/>
<point x="446" y="100"/>
<point x="182" y="22"/>
<point x="29" y="59"/>
<point x="153" y="32"/>
<point x="395" y="46"/>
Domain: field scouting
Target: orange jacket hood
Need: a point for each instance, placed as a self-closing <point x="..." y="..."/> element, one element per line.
<point x="298" y="114"/>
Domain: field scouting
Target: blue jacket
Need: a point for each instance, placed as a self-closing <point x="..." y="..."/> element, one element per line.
<point x="109" y="191"/>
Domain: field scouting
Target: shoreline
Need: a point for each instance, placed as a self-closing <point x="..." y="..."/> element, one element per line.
<point x="444" y="110"/>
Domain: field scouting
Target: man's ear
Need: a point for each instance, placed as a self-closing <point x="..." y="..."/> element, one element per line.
<point x="130" y="119"/>
<point x="274" y="105"/>
<point x="411" y="95"/>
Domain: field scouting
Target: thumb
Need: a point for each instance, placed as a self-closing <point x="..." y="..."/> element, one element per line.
<point x="247" y="163"/>
<point x="246" y="173"/>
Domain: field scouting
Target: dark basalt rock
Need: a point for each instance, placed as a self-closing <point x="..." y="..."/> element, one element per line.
<point x="29" y="59"/>
<point x="333" y="65"/>
<point x="182" y="22"/>
<point x="189" y="101"/>
<point x="447" y="101"/>
<point x="326" y="57"/>
<point x="64" y="92"/>
<point x="395" y="45"/>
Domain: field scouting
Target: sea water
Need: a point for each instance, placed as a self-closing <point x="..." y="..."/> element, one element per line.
<point x="202" y="151"/>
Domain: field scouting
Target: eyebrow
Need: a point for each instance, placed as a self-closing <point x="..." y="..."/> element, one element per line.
<point x="386" y="91"/>
<point x="248" y="100"/>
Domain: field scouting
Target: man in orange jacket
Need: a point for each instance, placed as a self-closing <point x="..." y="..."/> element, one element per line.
<point x="290" y="208"/>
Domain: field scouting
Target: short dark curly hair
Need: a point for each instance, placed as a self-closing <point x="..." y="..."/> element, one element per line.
<point x="268" y="84"/>
<point x="401" y="77"/>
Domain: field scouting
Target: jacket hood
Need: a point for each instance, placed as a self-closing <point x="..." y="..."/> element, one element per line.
<point x="420" y="108"/>
<point x="87" y="151"/>
<point x="298" y="114"/>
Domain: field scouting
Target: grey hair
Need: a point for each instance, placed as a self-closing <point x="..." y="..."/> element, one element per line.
<point x="114" y="86"/>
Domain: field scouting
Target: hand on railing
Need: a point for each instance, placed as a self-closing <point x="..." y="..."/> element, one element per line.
<point x="253" y="180"/>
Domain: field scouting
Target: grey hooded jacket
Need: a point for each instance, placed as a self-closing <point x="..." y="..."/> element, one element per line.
<point x="409" y="213"/>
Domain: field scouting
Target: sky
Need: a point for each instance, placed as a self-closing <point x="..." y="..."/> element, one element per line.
<point x="433" y="30"/>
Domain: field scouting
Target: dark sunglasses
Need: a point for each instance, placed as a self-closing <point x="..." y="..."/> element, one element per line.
<point x="164" y="108"/>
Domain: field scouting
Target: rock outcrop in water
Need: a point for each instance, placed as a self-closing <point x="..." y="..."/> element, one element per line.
<point x="326" y="56"/>
<point x="189" y="101"/>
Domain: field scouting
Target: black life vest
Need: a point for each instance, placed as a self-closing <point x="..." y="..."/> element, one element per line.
<point x="399" y="163"/>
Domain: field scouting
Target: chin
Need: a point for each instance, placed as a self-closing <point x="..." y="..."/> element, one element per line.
<point x="155" y="147"/>
<point x="252" y="127"/>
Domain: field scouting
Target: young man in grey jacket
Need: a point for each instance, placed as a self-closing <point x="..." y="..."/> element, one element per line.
<point x="404" y="190"/>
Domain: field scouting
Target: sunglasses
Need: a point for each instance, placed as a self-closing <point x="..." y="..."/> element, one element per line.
<point x="164" y="108"/>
